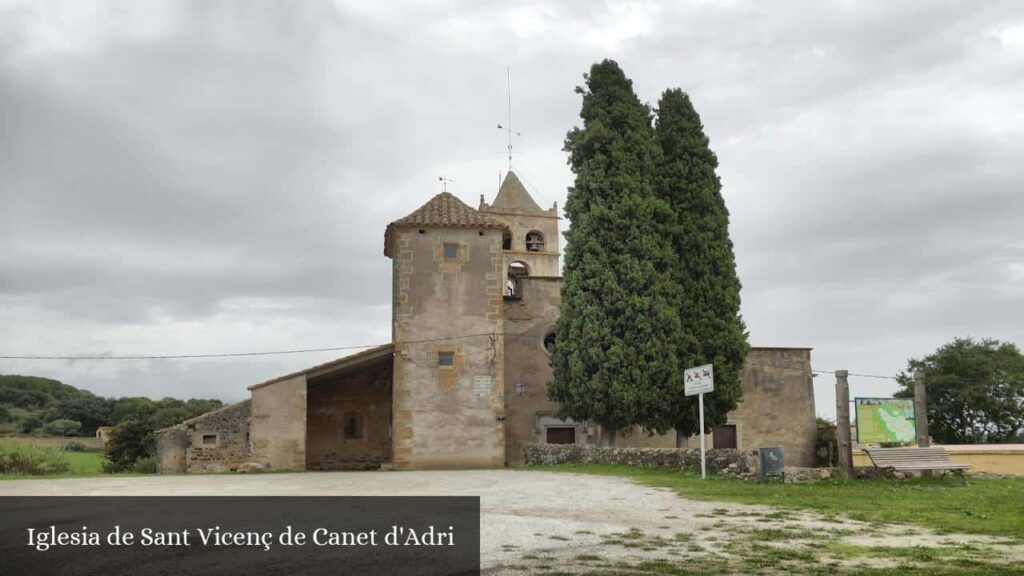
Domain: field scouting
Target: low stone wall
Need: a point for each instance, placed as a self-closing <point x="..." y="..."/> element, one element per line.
<point x="730" y="463"/>
<point x="800" y="475"/>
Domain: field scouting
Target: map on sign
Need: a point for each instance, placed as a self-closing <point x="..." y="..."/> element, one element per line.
<point x="699" y="380"/>
<point x="885" y="420"/>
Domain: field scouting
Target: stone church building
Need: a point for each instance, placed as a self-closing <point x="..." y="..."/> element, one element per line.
<point x="475" y="296"/>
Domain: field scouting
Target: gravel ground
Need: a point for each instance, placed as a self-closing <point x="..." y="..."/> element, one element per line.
<point x="531" y="521"/>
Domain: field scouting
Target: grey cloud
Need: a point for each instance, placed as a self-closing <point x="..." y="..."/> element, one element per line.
<point x="223" y="183"/>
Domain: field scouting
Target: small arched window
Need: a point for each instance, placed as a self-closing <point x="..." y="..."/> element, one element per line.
<point x="352" y="428"/>
<point x="534" y="241"/>
<point x="506" y="240"/>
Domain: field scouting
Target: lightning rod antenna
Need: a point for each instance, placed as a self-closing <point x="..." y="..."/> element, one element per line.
<point x="508" y="80"/>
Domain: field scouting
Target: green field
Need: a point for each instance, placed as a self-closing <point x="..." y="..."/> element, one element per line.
<point x="78" y="463"/>
<point x="85" y="463"/>
<point x="990" y="506"/>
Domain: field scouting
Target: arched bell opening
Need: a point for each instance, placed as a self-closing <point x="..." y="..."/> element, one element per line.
<point x="513" y="284"/>
<point x="534" y="241"/>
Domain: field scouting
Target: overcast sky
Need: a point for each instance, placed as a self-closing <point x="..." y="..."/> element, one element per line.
<point x="182" y="178"/>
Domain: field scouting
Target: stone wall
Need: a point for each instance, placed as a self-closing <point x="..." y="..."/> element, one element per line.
<point x="219" y="440"/>
<point x="448" y="416"/>
<point x="778" y="404"/>
<point x="279" y="423"/>
<point x="528" y="411"/>
<point x="527" y="408"/>
<point x="171" y="450"/>
<point x="730" y="463"/>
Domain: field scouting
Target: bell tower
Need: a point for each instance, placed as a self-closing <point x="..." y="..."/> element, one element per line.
<point x="447" y="329"/>
<point x="530" y="242"/>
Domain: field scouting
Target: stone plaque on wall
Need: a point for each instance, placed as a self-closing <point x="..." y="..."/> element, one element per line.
<point x="482" y="385"/>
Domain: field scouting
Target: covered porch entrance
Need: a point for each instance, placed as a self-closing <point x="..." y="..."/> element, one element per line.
<point x="348" y="414"/>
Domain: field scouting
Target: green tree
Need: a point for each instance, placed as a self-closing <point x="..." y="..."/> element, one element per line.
<point x="975" y="391"/>
<point x="33" y="392"/>
<point x="704" y="268"/>
<point x="125" y="408"/>
<point x="614" y="360"/>
<point x="91" y="411"/>
<point x="129" y="441"/>
<point x="171" y="411"/>
<point x="62" y="427"/>
<point x="31" y="424"/>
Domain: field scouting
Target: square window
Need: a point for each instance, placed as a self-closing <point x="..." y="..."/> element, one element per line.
<point x="209" y="439"/>
<point x="451" y="251"/>
<point x="446" y="358"/>
<point x="520" y="388"/>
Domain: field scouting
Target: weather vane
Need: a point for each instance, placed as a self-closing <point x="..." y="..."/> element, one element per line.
<point x="444" y="180"/>
<point x="508" y="126"/>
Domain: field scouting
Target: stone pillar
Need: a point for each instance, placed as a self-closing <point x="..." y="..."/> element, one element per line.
<point x="921" y="410"/>
<point x="843" y="424"/>
<point x="921" y="416"/>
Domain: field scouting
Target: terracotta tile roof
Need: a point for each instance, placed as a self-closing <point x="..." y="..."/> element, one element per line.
<point x="442" y="211"/>
<point x="513" y="194"/>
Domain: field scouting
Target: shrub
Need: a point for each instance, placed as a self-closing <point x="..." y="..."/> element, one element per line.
<point x="826" y="443"/>
<point x="75" y="446"/>
<point x="145" y="465"/>
<point x="130" y="441"/>
<point x="62" y="427"/>
<point x="31" y="424"/>
<point x="28" y="460"/>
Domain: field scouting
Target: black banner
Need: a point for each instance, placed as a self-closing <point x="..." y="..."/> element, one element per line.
<point x="255" y="536"/>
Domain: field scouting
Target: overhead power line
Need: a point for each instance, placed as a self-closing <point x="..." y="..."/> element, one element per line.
<point x="880" y="376"/>
<point x="177" y="356"/>
<point x="227" y="354"/>
<point x="340" y="349"/>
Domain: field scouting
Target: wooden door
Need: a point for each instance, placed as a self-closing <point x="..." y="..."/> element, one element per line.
<point x="724" y="436"/>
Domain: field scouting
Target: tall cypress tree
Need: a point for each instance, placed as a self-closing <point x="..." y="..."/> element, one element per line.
<point x="705" y="269"/>
<point x="614" y="360"/>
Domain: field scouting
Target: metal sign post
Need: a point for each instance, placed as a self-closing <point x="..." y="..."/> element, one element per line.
<point x="699" y="381"/>
<point x="703" y="459"/>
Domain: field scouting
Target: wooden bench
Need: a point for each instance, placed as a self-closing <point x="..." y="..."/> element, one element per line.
<point x="891" y="460"/>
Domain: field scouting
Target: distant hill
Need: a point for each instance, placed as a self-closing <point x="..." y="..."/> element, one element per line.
<point x="34" y="392"/>
<point x="32" y="404"/>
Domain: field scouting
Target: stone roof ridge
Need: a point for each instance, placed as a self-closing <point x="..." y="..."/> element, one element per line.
<point x="513" y="195"/>
<point x="204" y="416"/>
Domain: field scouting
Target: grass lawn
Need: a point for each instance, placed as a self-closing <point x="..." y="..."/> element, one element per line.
<point x="991" y="506"/>
<point x="84" y="463"/>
